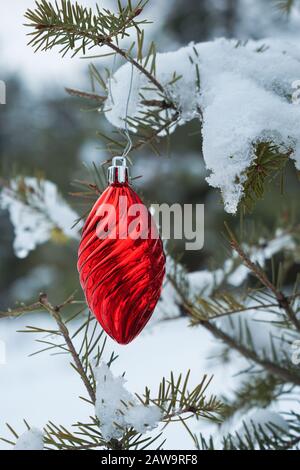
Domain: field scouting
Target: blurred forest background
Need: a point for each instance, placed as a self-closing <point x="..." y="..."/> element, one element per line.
<point x="45" y="132"/>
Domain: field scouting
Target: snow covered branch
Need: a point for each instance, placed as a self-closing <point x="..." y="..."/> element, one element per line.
<point x="242" y="93"/>
<point x="244" y="96"/>
<point x="38" y="213"/>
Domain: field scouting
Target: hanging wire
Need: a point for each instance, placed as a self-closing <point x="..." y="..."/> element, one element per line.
<point x="126" y="132"/>
<point x="110" y="79"/>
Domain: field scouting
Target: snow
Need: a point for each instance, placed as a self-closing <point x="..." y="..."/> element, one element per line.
<point x="244" y="98"/>
<point x="117" y="409"/>
<point x="36" y="211"/>
<point x="234" y="272"/>
<point x="204" y="282"/>
<point x="259" y="19"/>
<point x="143" y="418"/>
<point x="32" y="439"/>
<point x="259" y="254"/>
<point x="46" y="397"/>
<point x="260" y="418"/>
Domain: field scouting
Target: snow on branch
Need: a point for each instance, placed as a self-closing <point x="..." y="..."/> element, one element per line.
<point x="241" y="93"/>
<point x="32" y="439"/>
<point x="117" y="409"/>
<point x="204" y="283"/>
<point x="37" y="212"/>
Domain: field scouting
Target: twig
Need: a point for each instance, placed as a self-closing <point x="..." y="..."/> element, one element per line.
<point x="291" y="443"/>
<point x="86" y="95"/>
<point x="154" y="134"/>
<point x="101" y="41"/>
<point x="282" y="300"/>
<point x="162" y="104"/>
<point x="137" y="65"/>
<point x="20" y="310"/>
<point x="273" y="368"/>
<point x="55" y="312"/>
<point x="147" y="140"/>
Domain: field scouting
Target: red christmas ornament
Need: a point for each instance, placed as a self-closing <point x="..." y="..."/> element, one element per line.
<point x="121" y="262"/>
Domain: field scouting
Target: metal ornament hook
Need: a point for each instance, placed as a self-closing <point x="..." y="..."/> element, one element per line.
<point x="119" y="171"/>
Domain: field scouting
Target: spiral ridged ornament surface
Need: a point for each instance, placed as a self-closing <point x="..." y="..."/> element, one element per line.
<point x="121" y="275"/>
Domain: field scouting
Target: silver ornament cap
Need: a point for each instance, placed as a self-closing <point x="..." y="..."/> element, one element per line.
<point x="119" y="171"/>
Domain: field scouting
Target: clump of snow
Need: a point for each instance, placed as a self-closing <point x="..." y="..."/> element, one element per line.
<point x="32" y="439"/>
<point x="117" y="409"/>
<point x="262" y="419"/>
<point x="202" y="283"/>
<point x="36" y="210"/>
<point x="245" y="97"/>
<point x="143" y="418"/>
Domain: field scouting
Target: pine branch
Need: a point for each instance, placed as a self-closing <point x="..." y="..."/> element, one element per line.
<point x="282" y="299"/>
<point x="138" y="66"/>
<point x="21" y="310"/>
<point x="174" y="399"/>
<point x="258" y="391"/>
<point x="162" y="104"/>
<point x="155" y="133"/>
<point x="271" y="367"/>
<point x="254" y="436"/>
<point x="55" y="312"/>
<point x="70" y="24"/>
<point x="269" y="162"/>
<point x="88" y="96"/>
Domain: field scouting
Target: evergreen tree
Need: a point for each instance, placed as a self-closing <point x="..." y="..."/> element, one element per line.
<point x="258" y="282"/>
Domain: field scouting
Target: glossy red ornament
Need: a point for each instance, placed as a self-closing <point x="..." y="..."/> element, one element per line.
<point x="121" y="275"/>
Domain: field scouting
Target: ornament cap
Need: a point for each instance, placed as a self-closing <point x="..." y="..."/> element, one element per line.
<point x="119" y="171"/>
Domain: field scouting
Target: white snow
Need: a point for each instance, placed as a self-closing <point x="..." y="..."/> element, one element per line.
<point x="32" y="439"/>
<point x="234" y="272"/>
<point x="117" y="409"/>
<point x="204" y="282"/>
<point x="259" y="254"/>
<point x="262" y="419"/>
<point x="46" y="397"/>
<point x="35" y="212"/>
<point x="143" y="418"/>
<point x="244" y="98"/>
